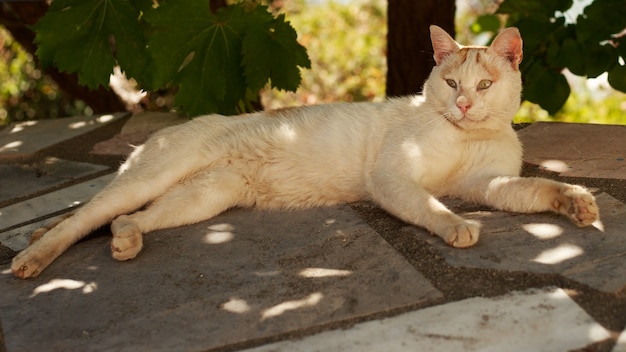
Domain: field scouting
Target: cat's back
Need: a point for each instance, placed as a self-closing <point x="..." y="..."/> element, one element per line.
<point x="312" y="130"/>
<point x="296" y="157"/>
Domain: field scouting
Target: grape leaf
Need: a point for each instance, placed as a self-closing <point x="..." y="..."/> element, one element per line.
<point x="546" y="87"/>
<point x="271" y="51"/>
<point x="201" y="54"/>
<point x="78" y="35"/>
<point x="617" y="77"/>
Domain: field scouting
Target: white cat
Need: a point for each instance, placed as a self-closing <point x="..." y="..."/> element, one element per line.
<point x="456" y="140"/>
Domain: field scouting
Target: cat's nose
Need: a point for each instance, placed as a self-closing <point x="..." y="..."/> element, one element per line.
<point x="463" y="104"/>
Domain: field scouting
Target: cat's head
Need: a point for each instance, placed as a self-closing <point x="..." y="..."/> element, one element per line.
<point x="475" y="87"/>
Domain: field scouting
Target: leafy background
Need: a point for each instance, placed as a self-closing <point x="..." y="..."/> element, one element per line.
<point x="213" y="59"/>
<point x="345" y="42"/>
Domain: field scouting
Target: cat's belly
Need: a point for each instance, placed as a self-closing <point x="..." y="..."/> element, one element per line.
<point x="290" y="186"/>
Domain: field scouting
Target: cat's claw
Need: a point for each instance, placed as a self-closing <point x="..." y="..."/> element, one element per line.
<point x="127" y="239"/>
<point x="463" y="235"/>
<point x="578" y="204"/>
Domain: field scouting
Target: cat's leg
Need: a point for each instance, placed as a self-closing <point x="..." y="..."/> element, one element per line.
<point x="196" y="199"/>
<point x="149" y="171"/>
<point x="411" y="203"/>
<point x="533" y="194"/>
<point x="40" y="232"/>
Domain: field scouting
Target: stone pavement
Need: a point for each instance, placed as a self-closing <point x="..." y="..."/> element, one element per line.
<point x="345" y="278"/>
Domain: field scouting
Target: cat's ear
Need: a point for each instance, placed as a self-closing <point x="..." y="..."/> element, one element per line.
<point x="443" y="44"/>
<point x="508" y="44"/>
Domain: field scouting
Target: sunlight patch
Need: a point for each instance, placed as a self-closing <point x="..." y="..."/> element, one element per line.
<point x="219" y="233"/>
<point x="77" y="125"/>
<point x="287" y="132"/>
<point x="543" y="231"/>
<point x="105" y="118"/>
<point x="555" y="165"/>
<point x="11" y="145"/>
<point x="218" y="237"/>
<point x="597" y="224"/>
<point x="321" y="272"/>
<point x="20" y="126"/>
<point x="279" y="309"/>
<point x="559" y="254"/>
<point x="236" y="305"/>
<point x="267" y="273"/>
<point x="67" y="284"/>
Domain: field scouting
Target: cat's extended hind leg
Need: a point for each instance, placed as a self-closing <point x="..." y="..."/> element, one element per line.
<point x="40" y="232"/>
<point x="201" y="197"/>
<point x="166" y="158"/>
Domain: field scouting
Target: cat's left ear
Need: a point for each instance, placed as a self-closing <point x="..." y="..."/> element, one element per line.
<point x="443" y="44"/>
<point x="508" y="44"/>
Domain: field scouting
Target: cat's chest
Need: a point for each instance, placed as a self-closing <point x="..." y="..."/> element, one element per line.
<point x="439" y="164"/>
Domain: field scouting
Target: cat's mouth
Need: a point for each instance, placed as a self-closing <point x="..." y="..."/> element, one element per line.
<point x="465" y="121"/>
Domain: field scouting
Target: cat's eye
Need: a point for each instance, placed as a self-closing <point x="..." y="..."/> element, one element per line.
<point x="451" y="83"/>
<point x="484" y="84"/>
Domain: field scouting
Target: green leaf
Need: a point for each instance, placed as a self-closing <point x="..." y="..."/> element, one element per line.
<point x="598" y="59"/>
<point x="201" y="54"/>
<point x="572" y="56"/>
<point x="600" y="20"/>
<point x="535" y="33"/>
<point x="272" y="52"/>
<point x="546" y="87"/>
<point x="617" y="77"/>
<point x="77" y="36"/>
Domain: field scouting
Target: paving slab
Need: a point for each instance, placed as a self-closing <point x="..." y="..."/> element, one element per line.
<point x="566" y="148"/>
<point x="24" y="180"/>
<point x="23" y="139"/>
<point x="242" y="276"/>
<point x="45" y="208"/>
<point x="548" y="243"/>
<point x="537" y="320"/>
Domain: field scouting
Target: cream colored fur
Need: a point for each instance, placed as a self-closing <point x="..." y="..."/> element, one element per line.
<point x="456" y="140"/>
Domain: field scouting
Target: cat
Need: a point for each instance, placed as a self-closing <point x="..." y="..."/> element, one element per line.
<point x="454" y="140"/>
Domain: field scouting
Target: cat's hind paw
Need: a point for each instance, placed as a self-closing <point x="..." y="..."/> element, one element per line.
<point x="462" y="235"/>
<point x="578" y="204"/>
<point x="127" y="239"/>
<point x="28" y="263"/>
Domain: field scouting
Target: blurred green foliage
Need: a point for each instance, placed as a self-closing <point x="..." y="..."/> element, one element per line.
<point x="598" y="104"/>
<point x="214" y="59"/>
<point x="584" y="38"/>
<point x="26" y="93"/>
<point x="555" y="77"/>
<point x="346" y="43"/>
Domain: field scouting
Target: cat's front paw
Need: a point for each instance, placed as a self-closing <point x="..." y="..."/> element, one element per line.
<point x="127" y="239"/>
<point x="578" y="204"/>
<point x="462" y="235"/>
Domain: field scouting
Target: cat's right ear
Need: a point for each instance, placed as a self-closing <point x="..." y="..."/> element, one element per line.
<point x="443" y="44"/>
